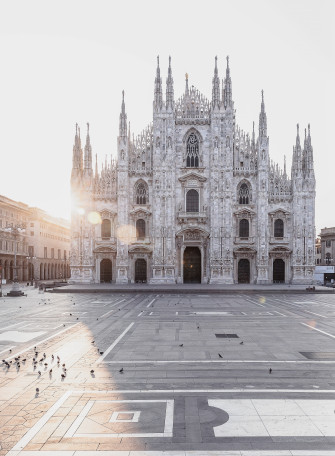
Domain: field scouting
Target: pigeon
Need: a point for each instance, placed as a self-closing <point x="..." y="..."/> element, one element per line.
<point x="92" y="371"/>
<point x="39" y="372"/>
<point x="50" y="371"/>
<point x="71" y="314"/>
<point x="63" y="365"/>
<point x="45" y="364"/>
<point x="220" y="356"/>
<point x="97" y="318"/>
<point x="37" y="390"/>
<point x="121" y="370"/>
<point x="101" y="353"/>
<point x="52" y="357"/>
<point x="77" y="318"/>
<point x="181" y="345"/>
<point x="270" y="370"/>
<point x="10" y="351"/>
<point x="58" y="359"/>
<point x="92" y="342"/>
<point x="41" y="360"/>
<point x="44" y="355"/>
<point x="63" y="375"/>
<point x="24" y="360"/>
<point x="63" y="325"/>
<point x="241" y="343"/>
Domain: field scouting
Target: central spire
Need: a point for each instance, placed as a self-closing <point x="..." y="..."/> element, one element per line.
<point x="169" y="88"/>
<point x="123" y="119"/>
<point x="262" y="120"/>
<point x="227" y="91"/>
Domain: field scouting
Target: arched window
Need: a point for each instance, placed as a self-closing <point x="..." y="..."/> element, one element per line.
<point x="244" y="228"/>
<point x="106" y="229"/>
<point x="279" y="228"/>
<point x="141" y="194"/>
<point x="244" y="196"/>
<point x="192" y="151"/>
<point x="140" y="229"/>
<point x="192" y="201"/>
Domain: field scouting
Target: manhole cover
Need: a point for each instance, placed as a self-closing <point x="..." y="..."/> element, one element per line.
<point x="318" y="356"/>
<point x="227" y="336"/>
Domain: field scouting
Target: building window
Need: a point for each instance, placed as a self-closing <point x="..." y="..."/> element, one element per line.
<point x="192" y="201"/>
<point x="45" y="252"/>
<point x="140" y="229"/>
<point x="328" y="243"/>
<point x="244" y="196"/>
<point x="31" y="233"/>
<point x="64" y="254"/>
<point x="106" y="229"/>
<point x="141" y="193"/>
<point x="279" y="228"/>
<point x="52" y="253"/>
<point x="59" y="254"/>
<point x="192" y="151"/>
<point x="244" y="228"/>
<point x="0" y="245"/>
<point x="31" y="225"/>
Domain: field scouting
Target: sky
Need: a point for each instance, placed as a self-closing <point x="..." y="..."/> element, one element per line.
<point x="67" y="61"/>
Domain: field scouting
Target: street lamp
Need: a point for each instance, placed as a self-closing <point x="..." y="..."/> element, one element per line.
<point x="15" y="231"/>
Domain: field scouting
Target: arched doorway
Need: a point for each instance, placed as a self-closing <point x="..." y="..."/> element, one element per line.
<point x="278" y="271"/>
<point x="192" y="265"/>
<point x="140" y="271"/>
<point x="106" y="270"/>
<point x="243" y="271"/>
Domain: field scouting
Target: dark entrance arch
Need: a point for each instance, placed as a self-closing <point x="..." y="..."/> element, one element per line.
<point x="192" y="265"/>
<point x="243" y="271"/>
<point x="278" y="271"/>
<point x="106" y="270"/>
<point x="140" y="271"/>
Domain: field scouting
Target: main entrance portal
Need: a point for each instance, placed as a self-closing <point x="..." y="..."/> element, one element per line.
<point x="140" y="271"/>
<point x="243" y="271"/>
<point x="106" y="270"/>
<point x="192" y="265"/>
<point x="278" y="271"/>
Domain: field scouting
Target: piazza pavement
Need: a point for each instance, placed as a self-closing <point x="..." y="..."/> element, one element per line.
<point x="183" y="371"/>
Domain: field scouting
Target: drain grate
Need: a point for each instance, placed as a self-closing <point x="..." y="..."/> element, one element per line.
<point x="319" y="356"/>
<point x="227" y="336"/>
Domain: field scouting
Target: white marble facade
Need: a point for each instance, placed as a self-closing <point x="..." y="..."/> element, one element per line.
<point x="193" y="198"/>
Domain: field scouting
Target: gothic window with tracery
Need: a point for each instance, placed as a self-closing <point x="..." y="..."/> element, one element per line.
<point x="106" y="229"/>
<point x="244" y="196"/>
<point x="141" y="194"/>
<point x="192" y="201"/>
<point x="244" y="228"/>
<point x="140" y="229"/>
<point x="279" y="228"/>
<point x="192" y="151"/>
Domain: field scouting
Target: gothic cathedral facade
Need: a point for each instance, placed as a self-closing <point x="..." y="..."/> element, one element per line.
<point x="193" y="199"/>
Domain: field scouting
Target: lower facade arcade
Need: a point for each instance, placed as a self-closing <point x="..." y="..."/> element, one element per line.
<point x="192" y="264"/>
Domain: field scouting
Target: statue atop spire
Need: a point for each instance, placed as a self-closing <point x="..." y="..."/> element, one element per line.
<point x="158" y="96"/>
<point x="262" y="120"/>
<point x="216" y="87"/>
<point x="227" y="91"/>
<point x="123" y="119"/>
<point x="169" y="88"/>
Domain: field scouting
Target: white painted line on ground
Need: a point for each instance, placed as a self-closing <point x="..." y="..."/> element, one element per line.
<point x="10" y="326"/>
<point x="40" y="423"/>
<point x="236" y="390"/>
<point x="56" y="327"/>
<point x="228" y="361"/>
<point x="42" y="341"/>
<point x="140" y="313"/>
<point x="7" y="349"/>
<point x="314" y="313"/>
<point x="110" y="311"/>
<point x="110" y="348"/>
<point x="80" y="418"/>
<point x="276" y="311"/>
<point x="319" y="330"/>
<point x="151" y="302"/>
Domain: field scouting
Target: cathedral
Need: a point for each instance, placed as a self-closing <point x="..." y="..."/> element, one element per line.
<point x="193" y="198"/>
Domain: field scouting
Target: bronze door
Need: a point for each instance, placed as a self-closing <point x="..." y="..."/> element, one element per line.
<point x="192" y="265"/>
<point x="243" y="271"/>
<point x="106" y="271"/>
<point x="140" y="271"/>
<point x="278" y="271"/>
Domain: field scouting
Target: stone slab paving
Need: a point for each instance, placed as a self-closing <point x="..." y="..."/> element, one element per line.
<point x="144" y="374"/>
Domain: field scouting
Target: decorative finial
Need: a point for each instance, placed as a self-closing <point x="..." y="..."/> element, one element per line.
<point x="309" y="129"/>
<point x="262" y="96"/>
<point x="88" y="127"/>
<point x="227" y="61"/>
<point x="122" y="95"/>
<point x="158" y="60"/>
<point x="186" y="76"/>
<point x="76" y="128"/>
<point x="297" y="129"/>
<point x="169" y="60"/>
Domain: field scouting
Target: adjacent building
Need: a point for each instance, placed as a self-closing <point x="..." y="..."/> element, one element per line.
<point x="193" y="198"/>
<point x="325" y="268"/>
<point x="40" y="242"/>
